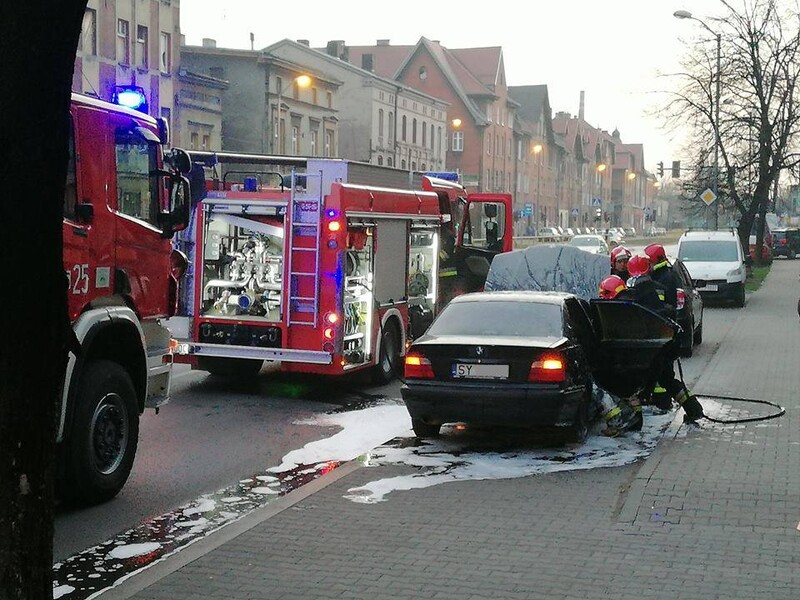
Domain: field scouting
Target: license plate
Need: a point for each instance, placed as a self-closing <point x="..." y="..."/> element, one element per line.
<point x="473" y="371"/>
<point x="711" y="287"/>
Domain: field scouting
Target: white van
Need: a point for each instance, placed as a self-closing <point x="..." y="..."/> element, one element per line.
<point x="715" y="261"/>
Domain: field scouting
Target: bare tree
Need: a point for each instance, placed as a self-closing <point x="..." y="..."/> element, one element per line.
<point x="758" y="119"/>
<point x="38" y="47"/>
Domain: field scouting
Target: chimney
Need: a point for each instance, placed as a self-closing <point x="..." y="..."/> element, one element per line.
<point x="304" y="42"/>
<point x="580" y="109"/>
<point x="209" y="43"/>
<point x="335" y="48"/>
<point x="383" y="42"/>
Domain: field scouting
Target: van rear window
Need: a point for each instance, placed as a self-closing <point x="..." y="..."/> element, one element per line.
<point x="708" y="251"/>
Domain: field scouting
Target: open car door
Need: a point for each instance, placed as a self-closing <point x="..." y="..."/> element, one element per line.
<point x="483" y="229"/>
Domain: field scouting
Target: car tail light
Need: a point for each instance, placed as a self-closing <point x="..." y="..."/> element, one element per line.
<point x="548" y="368"/>
<point x="681" y="301"/>
<point x="418" y="367"/>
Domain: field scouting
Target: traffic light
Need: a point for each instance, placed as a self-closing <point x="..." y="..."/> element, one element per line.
<point x="597" y="214"/>
<point x="660" y="170"/>
<point x="676" y="169"/>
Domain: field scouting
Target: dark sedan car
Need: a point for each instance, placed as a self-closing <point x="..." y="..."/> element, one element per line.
<point x="502" y="359"/>
<point x="690" y="311"/>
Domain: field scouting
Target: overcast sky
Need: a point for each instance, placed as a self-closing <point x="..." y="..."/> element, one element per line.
<point x="613" y="50"/>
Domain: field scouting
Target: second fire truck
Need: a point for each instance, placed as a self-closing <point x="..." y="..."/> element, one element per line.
<point x="323" y="272"/>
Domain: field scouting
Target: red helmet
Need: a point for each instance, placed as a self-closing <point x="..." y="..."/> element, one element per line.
<point x="638" y="265"/>
<point x="656" y="253"/>
<point x="610" y="287"/>
<point x="618" y="253"/>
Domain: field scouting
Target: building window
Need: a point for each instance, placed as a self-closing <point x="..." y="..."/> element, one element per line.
<point x="389" y="161"/>
<point x="206" y="142"/>
<point x="328" y="144"/>
<point x="414" y="165"/>
<point x="403" y="129"/>
<point x="167" y="115"/>
<point x="424" y="134"/>
<point x="194" y="140"/>
<point x="295" y="140"/>
<point x="314" y="96"/>
<point x="88" y="40"/>
<point x="489" y="112"/>
<point x="489" y="143"/>
<point x="390" y="134"/>
<point x="164" y="53"/>
<point x="123" y="42"/>
<point x="413" y="131"/>
<point x="432" y="136"/>
<point x="329" y="99"/>
<point x="458" y="141"/>
<point x="380" y="160"/>
<point x="142" y="60"/>
<point x="439" y="141"/>
<point x="380" y="123"/>
<point x="314" y="136"/>
<point x="403" y="164"/>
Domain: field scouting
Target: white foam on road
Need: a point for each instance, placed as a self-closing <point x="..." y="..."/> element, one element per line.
<point x="449" y="458"/>
<point x="129" y="550"/>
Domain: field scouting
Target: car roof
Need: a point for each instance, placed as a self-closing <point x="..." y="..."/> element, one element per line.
<point x="709" y="235"/>
<point x="515" y="296"/>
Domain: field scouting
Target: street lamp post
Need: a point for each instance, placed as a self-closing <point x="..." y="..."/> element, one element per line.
<point x="537" y="150"/>
<point x="685" y="14"/>
<point x="301" y="81"/>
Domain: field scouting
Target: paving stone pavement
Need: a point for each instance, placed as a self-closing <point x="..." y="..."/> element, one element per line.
<point x="712" y="513"/>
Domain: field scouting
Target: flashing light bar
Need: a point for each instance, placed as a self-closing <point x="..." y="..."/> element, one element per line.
<point x="130" y="96"/>
<point x="446" y="175"/>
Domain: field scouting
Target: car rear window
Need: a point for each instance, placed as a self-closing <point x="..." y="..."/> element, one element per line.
<point x="708" y="250"/>
<point x="503" y="318"/>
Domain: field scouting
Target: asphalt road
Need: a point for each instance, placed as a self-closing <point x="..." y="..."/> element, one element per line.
<point x="214" y="433"/>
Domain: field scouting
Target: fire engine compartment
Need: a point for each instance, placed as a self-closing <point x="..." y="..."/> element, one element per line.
<point x="242" y="258"/>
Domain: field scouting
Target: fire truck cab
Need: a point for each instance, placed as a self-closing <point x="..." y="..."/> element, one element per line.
<point x="124" y="199"/>
<point x="322" y="272"/>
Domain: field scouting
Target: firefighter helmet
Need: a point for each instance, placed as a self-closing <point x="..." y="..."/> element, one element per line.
<point x="638" y="265"/>
<point x="656" y="253"/>
<point x="611" y="286"/>
<point x="620" y="253"/>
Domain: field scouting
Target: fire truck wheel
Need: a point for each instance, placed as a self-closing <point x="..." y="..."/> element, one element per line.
<point x="232" y="368"/>
<point x="389" y="363"/>
<point x="104" y="434"/>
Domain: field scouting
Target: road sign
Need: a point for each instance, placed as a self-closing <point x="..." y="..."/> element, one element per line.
<point x="574" y="212"/>
<point x="648" y="211"/>
<point x="708" y="197"/>
<point x="528" y="210"/>
<point x="597" y="202"/>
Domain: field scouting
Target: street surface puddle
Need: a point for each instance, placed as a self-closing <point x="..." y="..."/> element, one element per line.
<point x="460" y="454"/>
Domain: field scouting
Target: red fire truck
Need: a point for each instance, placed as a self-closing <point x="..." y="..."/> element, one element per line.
<point x="331" y="269"/>
<point x="124" y="200"/>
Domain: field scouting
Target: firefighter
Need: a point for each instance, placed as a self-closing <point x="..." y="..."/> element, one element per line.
<point x="663" y="274"/>
<point x="643" y="290"/>
<point x="619" y="416"/>
<point x="619" y="262"/>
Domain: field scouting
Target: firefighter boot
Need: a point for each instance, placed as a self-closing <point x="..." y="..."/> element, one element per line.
<point x="661" y="399"/>
<point x="618" y="420"/>
<point x="692" y="408"/>
<point x="638" y="420"/>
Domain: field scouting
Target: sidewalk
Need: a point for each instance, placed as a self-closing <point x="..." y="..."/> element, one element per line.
<point x="712" y="513"/>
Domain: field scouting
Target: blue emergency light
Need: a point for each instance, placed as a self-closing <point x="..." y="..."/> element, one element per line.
<point x="130" y="96"/>
<point x="446" y="175"/>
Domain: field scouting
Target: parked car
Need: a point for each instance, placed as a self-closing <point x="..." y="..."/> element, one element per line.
<point x="689" y="311"/>
<point x="595" y="244"/>
<point x="501" y="359"/>
<point x="629" y="231"/>
<point x="766" y="251"/>
<point x="550" y="233"/>
<point x="716" y="263"/>
<point x="786" y="242"/>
